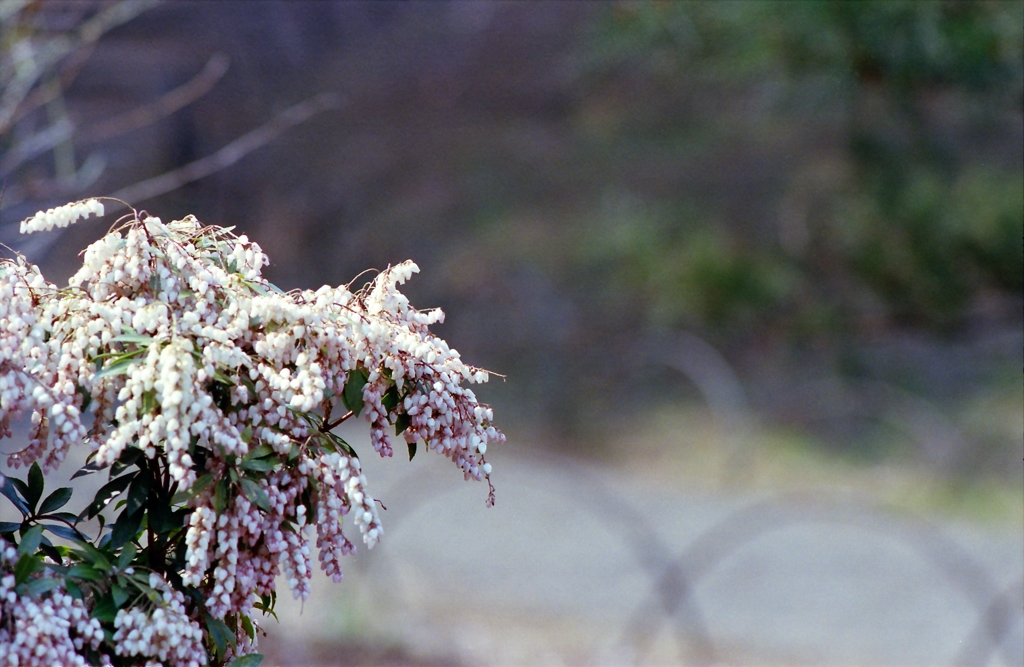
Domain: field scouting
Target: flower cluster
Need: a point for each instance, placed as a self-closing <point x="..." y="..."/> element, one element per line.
<point x="62" y="216"/>
<point x="223" y="391"/>
<point x="165" y="632"/>
<point x="49" y="630"/>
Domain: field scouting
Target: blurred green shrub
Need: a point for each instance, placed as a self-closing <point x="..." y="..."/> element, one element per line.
<point x="907" y="211"/>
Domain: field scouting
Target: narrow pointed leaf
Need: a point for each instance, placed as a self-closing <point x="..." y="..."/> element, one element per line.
<point x="56" y="500"/>
<point x="7" y="488"/>
<point x="35" y="486"/>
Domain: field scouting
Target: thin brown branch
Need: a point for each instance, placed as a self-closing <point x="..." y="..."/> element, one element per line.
<point x="231" y="153"/>
<point x="339" y="420"/>
<point x="148" y="114"/>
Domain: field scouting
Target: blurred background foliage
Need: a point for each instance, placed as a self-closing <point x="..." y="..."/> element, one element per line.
<point x="828" y="193"/>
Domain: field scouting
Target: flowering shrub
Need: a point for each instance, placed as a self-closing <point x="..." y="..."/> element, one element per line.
<point x="209" y="396"/>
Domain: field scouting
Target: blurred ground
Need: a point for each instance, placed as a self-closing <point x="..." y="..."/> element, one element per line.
<point x="628" y="564"/>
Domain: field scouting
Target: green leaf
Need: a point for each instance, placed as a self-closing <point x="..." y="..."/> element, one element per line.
<point x="9" y="526"/>
<point x="26" y="566"/>
<point x="390" y="399"/>
<point x="412" y="449"/>
<point x="251" y="660"/>
<point x="256" y="495"/>
<point x="219" y="633"/>
<point x="138" y="493"/>
<point x="30" y="540"/>
<point x="53" y="552"/>
<point x="83" y="571"/>
<point x="129" y="456"/>
<point x="88" y="469"/>
<point x="127" y="554"/>
<point x="352" y="396"/>
<point x="160" y="518"/>
<point x="148" y="402"/>
<point x="257" y="465"/>
<point x="119" y="594"/>
<point x="35" y="486"/>
<point x="132" y="337"/>
<point x="119" y="366"/>
<point x="197" y="487"/>
<point x="37" y="587"/>
<point x="246" y="435"/>
<point x="402" y="422"/>
<point x="259" y="452"/>
<point x="74" y="590"/>
<point x="220" y="497"/>
<point x="86" y="397"/>
<point x="94" y="557"/>
<point x="56" y="500"/>
<point x="248" y="627"/>
<point x="126" y="527"/>
<point x="105" y="610"/>
<point x="107" y="492"/>
<point x="9" y="490"/>
<point x="61" y="531"/>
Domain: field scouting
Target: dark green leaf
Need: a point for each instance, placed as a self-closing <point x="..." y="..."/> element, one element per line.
<point x="220" y="497"/>
<point x="21" y="486"/>
<point x="342" y="445"/>
<point x="352" y="396"/>
<point x="126" y="527"/>
<point x="35" y="486"/>
<point x="9" y="490"/>
<point x="26" y="566"/>
<point x="53" y="552"/>
<point x="267" y="604"/>
<point x="119" y="366"/>
<point x="30" y="540"/>
<point x="9" y="526"/>
<point x="248" y="627"/>
<point x="37" y="587"/>
<point x="74" y="590"/>
<point x="412" y="449"/>
<point x="61" y="531"/>
<point x="56" y="500"/>
<point x="127" y="554"/>
<point x="219" y="633"/>
<point x="390" y="399"/>
<point x="129" y="456"/>
<point x="119" y="594"/>
<point x="260" y="452"/>
<point x="161" y="519"/>
<point x="138" y="493"/>
<point x="86" y="397"/>
<point x="197" y="487"/>
<point x="107" y="492"/>
<point x="402" y="422"/>
<point x="246" y="435"/>
<point x="87" y="469"/>
<point x="105" y="610"/>
<point x="251" y="660"/>
<point x="95" y="557"/>
<point x="258" y="465"/>
<point x="83" y="571"/>
<point x="256" y="495"/>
